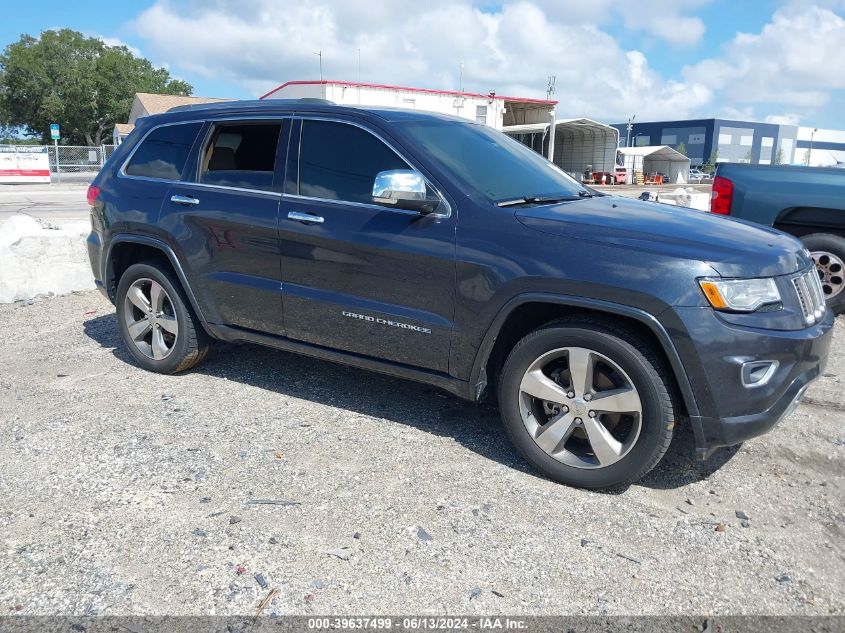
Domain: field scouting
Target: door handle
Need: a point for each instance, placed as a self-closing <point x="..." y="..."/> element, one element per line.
<point x="305" y="218"/>
<point x="184" y="200"/>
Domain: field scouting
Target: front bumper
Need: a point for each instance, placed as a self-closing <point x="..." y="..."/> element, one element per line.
<point x="714" y="351"/>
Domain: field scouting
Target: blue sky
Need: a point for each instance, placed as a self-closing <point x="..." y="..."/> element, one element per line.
<point x="776" y="60"/>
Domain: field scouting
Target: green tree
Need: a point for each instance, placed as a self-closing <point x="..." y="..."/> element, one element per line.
<point x="681" y="149"/>
<point x="779" y="157"/>
<point x="79" y="82"/>
<point x="710" y="165"/>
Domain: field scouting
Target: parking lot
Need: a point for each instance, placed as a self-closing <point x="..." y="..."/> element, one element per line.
<point x="126" y="492"/>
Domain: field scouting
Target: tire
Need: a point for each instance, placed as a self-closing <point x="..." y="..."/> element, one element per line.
<point x="171" y="339"/>
<point x="828" y="252"/>
<point x="622" y="362"/>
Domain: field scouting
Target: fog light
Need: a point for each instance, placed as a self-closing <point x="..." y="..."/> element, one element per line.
<point x="758" y="373"/>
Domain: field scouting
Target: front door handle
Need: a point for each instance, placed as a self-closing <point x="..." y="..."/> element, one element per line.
<point x="189" y="200"/>
<point x="305" y="218"/>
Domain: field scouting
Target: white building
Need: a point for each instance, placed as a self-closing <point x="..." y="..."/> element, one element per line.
<point x="825" y="147"/>
<point x="494" y="110"/>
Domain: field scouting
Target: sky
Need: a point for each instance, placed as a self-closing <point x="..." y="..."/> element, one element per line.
<point x="780" y="61"/>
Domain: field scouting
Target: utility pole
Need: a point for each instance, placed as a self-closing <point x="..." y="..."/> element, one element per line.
<point x="550" y="88"/>
<point x="630" y="127"/>
<point x="320" y="55"/>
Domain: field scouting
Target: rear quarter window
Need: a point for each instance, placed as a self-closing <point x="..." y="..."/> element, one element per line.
<point x="164" y="152"/>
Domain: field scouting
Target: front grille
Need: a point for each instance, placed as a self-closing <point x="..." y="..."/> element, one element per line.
<point x="810" y="295"/>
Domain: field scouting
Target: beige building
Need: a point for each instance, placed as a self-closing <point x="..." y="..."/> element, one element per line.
<point x="146" y="103"/>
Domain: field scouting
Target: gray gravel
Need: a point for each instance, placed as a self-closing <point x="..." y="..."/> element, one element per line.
<point x="125" y="492"/>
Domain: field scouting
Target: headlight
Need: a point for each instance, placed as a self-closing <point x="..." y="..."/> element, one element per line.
<point x="740" y="295"/>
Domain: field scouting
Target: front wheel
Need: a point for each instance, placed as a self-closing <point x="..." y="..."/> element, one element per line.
<point x="587" y="403"/>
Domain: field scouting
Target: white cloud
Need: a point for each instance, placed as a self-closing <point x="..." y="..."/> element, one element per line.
<point x="510" y="49"/>
<point x="666" y="19"/>
<point x="792" y="65"/>
<point x="113" y="41"/>
<point x="788" y="118"/>
<point x="796" y="60"/>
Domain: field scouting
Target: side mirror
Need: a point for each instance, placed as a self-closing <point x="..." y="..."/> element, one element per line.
<point x="403" y="189"/>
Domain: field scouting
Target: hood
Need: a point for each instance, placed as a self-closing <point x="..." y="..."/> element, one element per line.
<point x="733" y="248"/>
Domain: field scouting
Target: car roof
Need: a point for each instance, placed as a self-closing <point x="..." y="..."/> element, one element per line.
<point x="271" y="107"/>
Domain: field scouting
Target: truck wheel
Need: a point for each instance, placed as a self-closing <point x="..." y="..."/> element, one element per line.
<point x="587" y="403"/>
<point x="828" y="252"/>
<point x="156" y="321"/>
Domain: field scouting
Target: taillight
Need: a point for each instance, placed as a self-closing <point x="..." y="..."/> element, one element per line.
<point x="93" y="192"/>
<point x="722" y="196"/>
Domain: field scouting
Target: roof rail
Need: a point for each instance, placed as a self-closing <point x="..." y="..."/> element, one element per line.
<point x="233" y="105"/>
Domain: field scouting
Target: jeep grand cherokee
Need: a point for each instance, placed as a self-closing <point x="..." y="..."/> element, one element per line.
<point x="440" y="250"/>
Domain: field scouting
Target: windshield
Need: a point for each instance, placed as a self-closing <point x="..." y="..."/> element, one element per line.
<point x="491" y="162"/>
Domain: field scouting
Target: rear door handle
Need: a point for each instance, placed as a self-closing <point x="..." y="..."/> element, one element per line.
<point x="184" y="200"/>
<point x="305" y="218"/>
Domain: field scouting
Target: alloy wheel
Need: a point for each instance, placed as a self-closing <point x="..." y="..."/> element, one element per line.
<point x="580" y="407"/>
<point x="150" y="318"/>
<point x="831" y="272"/>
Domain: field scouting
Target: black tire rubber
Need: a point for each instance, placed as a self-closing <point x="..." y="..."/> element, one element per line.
<point x="643" y="364"/>
<point x="192" y="343"/>
<point x="830" y="244"/>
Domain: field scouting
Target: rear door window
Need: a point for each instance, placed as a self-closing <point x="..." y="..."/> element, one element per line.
<point x="338" y="161"/>
<point x="241" y="155"/>
<point x="164" y="152"/>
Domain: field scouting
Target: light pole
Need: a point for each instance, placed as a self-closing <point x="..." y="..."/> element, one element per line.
<point x="810" y="151"/>
<point x="630" y="127"/>
<point x="319" y="54"/>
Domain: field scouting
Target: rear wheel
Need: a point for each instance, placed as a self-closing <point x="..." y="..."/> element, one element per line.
<point x="156" y="321"/>
<point x="828" y="253"/>
<point x="587" y="403"/>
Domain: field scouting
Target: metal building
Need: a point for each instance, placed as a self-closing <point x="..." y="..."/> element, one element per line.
<point x="580" y="145"/>
<point x="818" y="147"/>
<point x="721" y="139"/>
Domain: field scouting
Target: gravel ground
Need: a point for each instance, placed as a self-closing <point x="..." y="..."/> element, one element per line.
<point x="126" y="492"/>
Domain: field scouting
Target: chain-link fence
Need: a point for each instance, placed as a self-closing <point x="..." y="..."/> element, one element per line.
<point x="78" y="159"/>
<point x="45" y="163"/>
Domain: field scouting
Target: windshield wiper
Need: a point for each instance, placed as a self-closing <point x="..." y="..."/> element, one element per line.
<point x="585" y="194"/>
<point x="535" y="200"/>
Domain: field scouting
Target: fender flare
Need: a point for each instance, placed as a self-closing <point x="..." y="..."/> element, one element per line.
<point x="123" y="238"/>
<point x="478" y="376"/>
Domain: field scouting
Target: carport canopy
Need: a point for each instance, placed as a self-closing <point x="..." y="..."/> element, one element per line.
<point x="579" y="144"/>
<point x="582" y="144"/>
<point x="531" y="134"/>
<point x="657" y="158"/>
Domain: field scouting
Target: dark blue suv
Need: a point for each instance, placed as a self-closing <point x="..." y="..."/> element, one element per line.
<point x="440" y="250"/>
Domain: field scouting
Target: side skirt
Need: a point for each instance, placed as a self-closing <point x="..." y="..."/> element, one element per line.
<point x="454" y="386"/>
